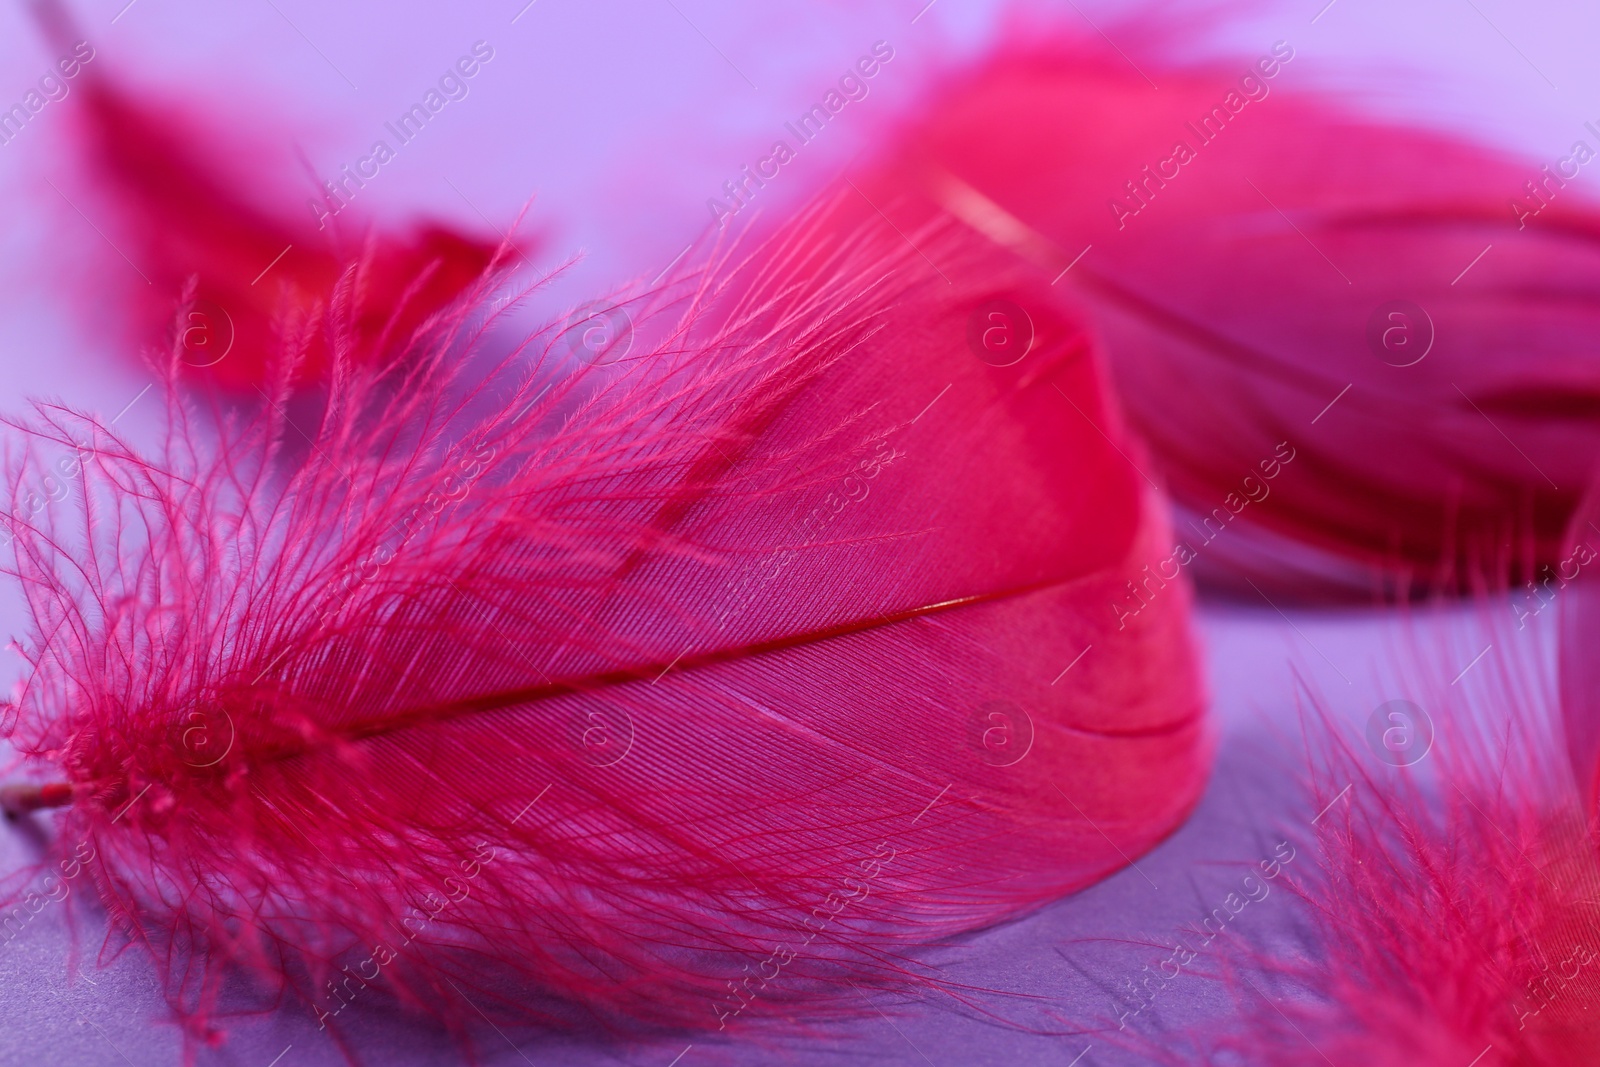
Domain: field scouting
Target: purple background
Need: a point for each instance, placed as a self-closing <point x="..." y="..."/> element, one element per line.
<point x="621" y="118"/>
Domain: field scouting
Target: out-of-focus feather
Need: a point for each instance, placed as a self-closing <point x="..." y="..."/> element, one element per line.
<point x="1450" y="913"/>
<point x="1240" y="296"/>
<point x="1571" y="586"/>
<point x="781" y="641"/>
<point x="235" y="269"/>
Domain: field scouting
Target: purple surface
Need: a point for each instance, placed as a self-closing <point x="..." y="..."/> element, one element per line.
<point x="1057" y="970"/>
<point x="623" y="118"/>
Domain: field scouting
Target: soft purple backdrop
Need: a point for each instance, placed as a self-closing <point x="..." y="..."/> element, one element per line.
<point x="620" y="119"/>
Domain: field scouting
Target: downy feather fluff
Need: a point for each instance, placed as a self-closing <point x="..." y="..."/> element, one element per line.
<point x="1452" y="914"/>
<point x="651" y="692"/>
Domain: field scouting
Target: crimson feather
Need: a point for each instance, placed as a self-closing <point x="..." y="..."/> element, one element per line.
<point x="242" y="267"/>
<point x="1265" y="264"/>
<point x="1450" y="914"/>
<point x="1579" y="614"/>
<point x="662" y="688"/>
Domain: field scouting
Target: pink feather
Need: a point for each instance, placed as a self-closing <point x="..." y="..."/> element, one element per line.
<point x="1237" y="292"/>
<point x="1451" y="908"/>
<point x="241" y="268"/>
<point x="1579" y="614"/>
<point x="781" y="643"/>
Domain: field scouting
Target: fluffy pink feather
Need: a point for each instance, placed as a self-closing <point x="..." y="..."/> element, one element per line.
<point x="1451" y="912"/>
<point x="651" y="692"/>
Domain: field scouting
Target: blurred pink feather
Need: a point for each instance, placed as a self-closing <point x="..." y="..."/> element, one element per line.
<point x="1243" y="244"/>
